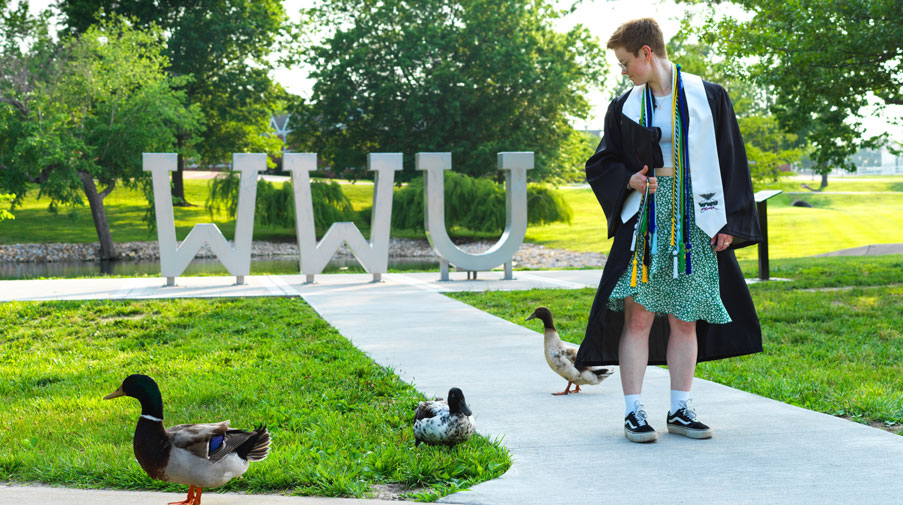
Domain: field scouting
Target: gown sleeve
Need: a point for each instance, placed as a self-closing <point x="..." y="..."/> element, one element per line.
<point x="606" y="171"/>
<point x="742" y="218"/>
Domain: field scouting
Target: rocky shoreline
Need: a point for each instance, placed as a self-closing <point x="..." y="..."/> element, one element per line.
<point x="528" y="256"/>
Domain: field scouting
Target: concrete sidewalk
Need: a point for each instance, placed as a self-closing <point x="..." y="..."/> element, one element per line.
<point x="572" y="449"/>
<point x="134" y="288"/>
<point x="42" y="495"/>
<point x="565" y="449"/>
<point x="867" y="250"/>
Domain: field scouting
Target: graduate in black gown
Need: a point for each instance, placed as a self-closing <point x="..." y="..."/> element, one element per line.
<point x="616" y="173"/>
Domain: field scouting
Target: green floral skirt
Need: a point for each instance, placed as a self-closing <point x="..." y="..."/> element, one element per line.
<point x="689" y="297"/>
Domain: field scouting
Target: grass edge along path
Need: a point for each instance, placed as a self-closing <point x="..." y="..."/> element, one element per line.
<point x="839" y="352"/>
<point x="340" y="423"/>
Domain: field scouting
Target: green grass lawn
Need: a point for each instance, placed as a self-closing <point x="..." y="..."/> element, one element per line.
<point x="835" y="221"/>
<point x="837" y="351"/>
<point x="339" y="422"/>
<point x="839" y="184"/>
<point x="125" y="212"/>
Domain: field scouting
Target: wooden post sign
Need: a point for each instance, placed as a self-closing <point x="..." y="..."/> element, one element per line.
<point x="373" y="255"/>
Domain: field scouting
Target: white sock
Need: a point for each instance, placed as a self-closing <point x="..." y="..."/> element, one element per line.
<point x="678" y="398"/>
<point x="630" y="403"/>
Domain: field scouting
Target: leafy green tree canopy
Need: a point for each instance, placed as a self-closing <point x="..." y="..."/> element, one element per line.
<point x="225" y="46"/>
<point x="80" y="112"/>
<point x="768" y="145"/>
<point x="474" y="77"/>
<point x="822" y="61"/>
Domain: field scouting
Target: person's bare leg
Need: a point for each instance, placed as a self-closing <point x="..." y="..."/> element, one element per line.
<point x="633" y="349"/>
<point x="681" y="353"/>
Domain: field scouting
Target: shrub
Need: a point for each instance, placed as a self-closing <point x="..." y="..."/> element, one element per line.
<point x="5" y="214"/>
<point x="275" y="206"/>
<point x="476" y="204"/>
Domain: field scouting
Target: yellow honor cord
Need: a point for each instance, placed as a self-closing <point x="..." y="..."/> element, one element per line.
<point x="675" y="150"/>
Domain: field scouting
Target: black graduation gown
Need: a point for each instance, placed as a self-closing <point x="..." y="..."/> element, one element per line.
<point x="607" y="172"/>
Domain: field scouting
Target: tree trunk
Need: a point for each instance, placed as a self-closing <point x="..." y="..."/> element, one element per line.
<point x="178" y="186"/>
<point x="107" y="247"/>
<point x="824" y="181"/>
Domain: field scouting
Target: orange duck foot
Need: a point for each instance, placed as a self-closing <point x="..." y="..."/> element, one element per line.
<point x="191" y="499"/>
<point x="567" y="390"/>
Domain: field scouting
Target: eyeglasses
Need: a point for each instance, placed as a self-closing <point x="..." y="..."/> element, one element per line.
<point x="624" y="65"/>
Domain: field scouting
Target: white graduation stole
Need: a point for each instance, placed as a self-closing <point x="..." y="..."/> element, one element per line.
<point x="705" y="170"/>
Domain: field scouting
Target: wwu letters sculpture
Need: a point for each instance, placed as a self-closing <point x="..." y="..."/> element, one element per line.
<point x="373" y="255"/>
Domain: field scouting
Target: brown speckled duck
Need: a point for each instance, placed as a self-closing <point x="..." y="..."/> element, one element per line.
<point x="561" y="356"/>
<point x="198" y="455"/>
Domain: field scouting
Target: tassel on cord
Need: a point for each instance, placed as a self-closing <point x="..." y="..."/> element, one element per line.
<point x="640" y="235"/>
<point x="674" y="255"/>
<point x="633" y="275"/>
<point x="652" y="221"/>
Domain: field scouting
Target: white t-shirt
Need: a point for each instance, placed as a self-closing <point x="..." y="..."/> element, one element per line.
<point x="661" y="117"/>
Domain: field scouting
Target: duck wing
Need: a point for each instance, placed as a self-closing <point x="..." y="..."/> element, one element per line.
<point x="214" y="441"/>
<point x="205" y="441"/>
<point x="569" y="352"/>
<point x="428" y="409"/>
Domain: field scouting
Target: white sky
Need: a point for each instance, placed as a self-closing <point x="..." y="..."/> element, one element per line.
<point x="602" y="17"/>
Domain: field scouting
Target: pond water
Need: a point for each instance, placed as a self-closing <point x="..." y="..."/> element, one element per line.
<point x="285" y="265"/>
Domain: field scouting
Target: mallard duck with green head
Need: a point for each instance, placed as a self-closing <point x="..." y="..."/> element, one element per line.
<point x="197" y="455"/>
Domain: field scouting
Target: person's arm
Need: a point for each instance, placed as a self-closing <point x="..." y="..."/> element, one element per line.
<point x="606" y="171"/>
<point x="740" y="205"/>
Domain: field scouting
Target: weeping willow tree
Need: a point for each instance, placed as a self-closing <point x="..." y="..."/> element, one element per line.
<point x="477" y="204"/>
<point x="275" y="206"/>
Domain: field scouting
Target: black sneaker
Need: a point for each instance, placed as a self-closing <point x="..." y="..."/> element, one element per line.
<point x="683" y="422"/>
<point x="636" y="429"/>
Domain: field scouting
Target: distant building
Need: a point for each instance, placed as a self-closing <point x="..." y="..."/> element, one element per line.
<point x="868" y="162"/>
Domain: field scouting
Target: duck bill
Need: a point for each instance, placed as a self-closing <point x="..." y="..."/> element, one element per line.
<point x="465" y="409"/>
<point x="114" y="394"/>
<point x="532" y="316"/>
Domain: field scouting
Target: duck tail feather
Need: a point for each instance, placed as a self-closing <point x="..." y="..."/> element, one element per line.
<point x="256" y="447"/>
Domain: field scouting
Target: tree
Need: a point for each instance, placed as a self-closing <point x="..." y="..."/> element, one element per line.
<point x="473" y="77"/>
<point x="82" y="111"/>
<point x="572" y="156"/>
<point x="768" y="146"/>
<point x="224" y="45"/>
<point x="822" y="61"/>
<point x="5" y="214"/>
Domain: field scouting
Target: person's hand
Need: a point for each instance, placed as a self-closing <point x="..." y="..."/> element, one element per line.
<point x="721" y="241"/>
<point x="638" y="181"/>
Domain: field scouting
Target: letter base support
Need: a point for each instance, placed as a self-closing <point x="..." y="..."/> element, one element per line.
<point x="443" y="271"/>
